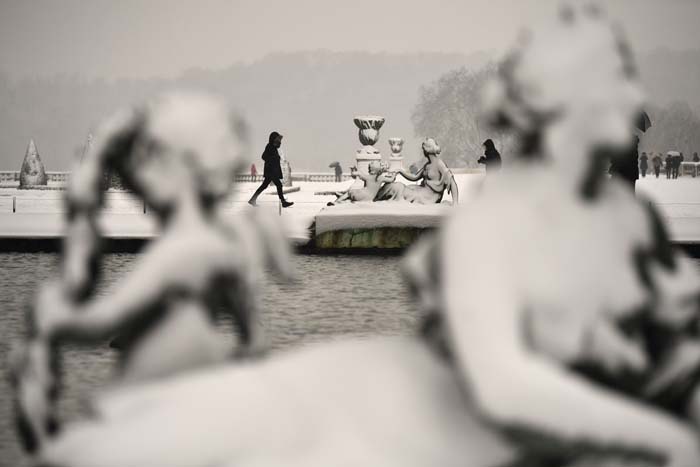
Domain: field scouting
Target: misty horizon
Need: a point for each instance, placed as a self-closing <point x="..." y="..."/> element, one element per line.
<point x="162" y="39"/>
<point x="304" y="69"/>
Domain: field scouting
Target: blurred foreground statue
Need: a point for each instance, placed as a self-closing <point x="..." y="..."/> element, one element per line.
<point x="179" y="153"/>
<point x="557" y="294"/>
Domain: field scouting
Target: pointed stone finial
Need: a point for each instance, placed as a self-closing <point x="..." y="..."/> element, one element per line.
<point x="32" y="172"/>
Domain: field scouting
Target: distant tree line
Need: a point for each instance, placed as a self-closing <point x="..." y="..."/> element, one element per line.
<point x="448" y="109"/>
<point x="674" y="127"/>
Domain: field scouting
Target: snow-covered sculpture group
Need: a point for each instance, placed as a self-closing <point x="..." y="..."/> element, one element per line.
<point x="380" y="184"/>
<point x="545" y="297"/>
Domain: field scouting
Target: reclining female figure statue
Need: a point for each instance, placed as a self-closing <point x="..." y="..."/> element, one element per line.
<point x="435" y="178"/>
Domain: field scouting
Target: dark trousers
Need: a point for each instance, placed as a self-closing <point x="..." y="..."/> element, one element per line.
<point x="657" y="170"/>
<point x="266" y="182"/>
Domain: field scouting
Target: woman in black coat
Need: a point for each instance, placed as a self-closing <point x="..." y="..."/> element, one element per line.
<point x="491" y="158"/>
<point x="273" y="170"/>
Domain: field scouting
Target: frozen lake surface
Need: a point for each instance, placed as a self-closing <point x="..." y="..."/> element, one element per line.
<point x="336" y="298"/>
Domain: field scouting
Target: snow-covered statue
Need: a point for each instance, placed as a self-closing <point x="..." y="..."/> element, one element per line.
<point x="179" y="153"/>
<point x="434" y="177"/>
<point x="557" y="294"/>
<point x="396" y="159"/>
<point x="376" y="177"/>
<point x="396" y="146"/>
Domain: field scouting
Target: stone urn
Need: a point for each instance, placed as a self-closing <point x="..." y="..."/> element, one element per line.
<point x="396" y="159"/>
<point x="369" y="126"/>
<point x="32" y="172"/>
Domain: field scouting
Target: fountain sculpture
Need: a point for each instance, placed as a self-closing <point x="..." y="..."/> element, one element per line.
<point x="434" y="177"/>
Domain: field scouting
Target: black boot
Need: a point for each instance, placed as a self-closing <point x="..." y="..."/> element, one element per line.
<point x="286" y="204"/>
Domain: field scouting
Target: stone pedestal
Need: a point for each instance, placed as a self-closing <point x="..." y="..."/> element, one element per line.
<point x="365" y="156"/>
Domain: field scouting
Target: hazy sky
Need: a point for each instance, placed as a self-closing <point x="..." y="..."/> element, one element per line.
<point x="121" y="38"/>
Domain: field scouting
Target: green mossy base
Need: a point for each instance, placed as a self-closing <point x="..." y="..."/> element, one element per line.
<point x="379" y="237"/>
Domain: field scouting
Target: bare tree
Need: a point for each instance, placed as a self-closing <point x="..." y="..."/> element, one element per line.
<point x="675" y="127"/>
<point x="448" y="110"/>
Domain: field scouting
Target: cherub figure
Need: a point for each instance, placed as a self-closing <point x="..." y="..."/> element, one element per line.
<point x="435" y="178"/>
<point x="179" y="153"/>
<point x="376" y="178"/>
<point x="560" y="279"/>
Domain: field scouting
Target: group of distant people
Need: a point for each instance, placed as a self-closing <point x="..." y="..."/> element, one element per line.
<point x="671" y="163"/>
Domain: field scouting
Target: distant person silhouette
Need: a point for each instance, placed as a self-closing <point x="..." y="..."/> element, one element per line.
<point x="676" y="160"/>
<point x="696" y="158"/>
<point x="625" y="165"/>
<point x="668" y="165"/>
<point x="491" y="158"/>
<point x="338" y="173"/>
<point x="656" y="162"/>
<point x="273" y="170"/>
<point x="643" y="164"/>
<point x="253" y="171"/>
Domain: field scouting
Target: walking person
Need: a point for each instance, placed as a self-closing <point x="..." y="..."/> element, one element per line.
<point x="273" y="170"/>
<point x="643" y="164"/>
<point x="491" y="158"/>
<point x="656" y="162"/>
<point x="253" y="171"/>
<point x="668" y="165"/>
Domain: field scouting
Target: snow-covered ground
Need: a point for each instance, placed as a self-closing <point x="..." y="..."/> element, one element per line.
<point x="679" y="203"/>
<point x="39" y="213"/>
